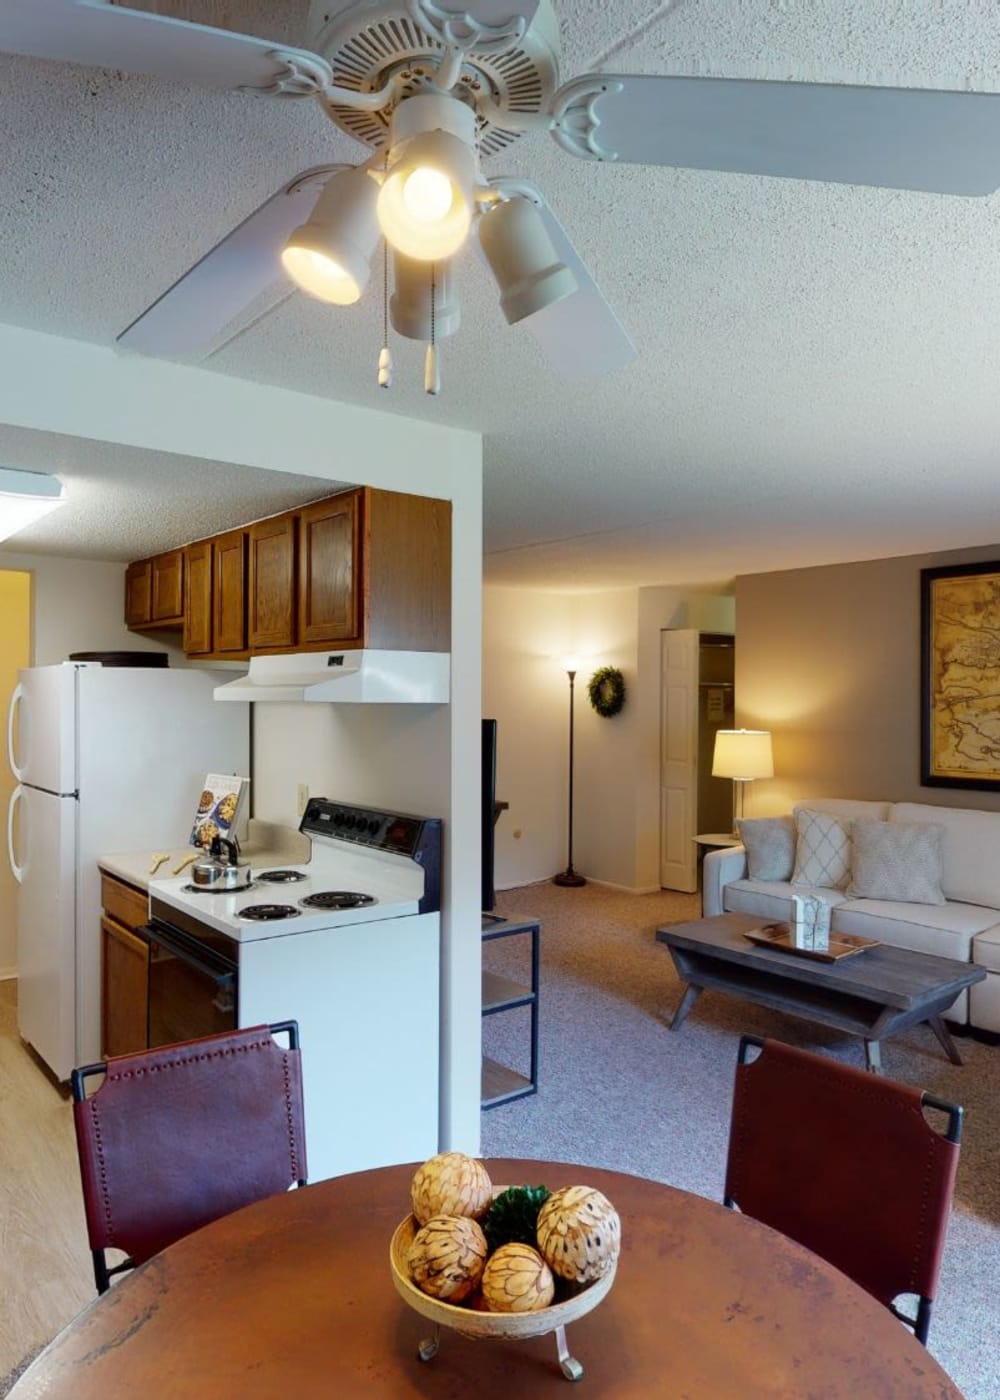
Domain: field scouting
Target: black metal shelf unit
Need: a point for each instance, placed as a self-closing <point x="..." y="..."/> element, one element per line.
<point x="500" y="1083"/>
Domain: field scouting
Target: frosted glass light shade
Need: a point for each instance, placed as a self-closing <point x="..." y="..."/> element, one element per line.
<point x="330" y="255"/>
<point x="742" y="754"/>
<point x="523" y="259"/>
<point x="410" y="303"/>
<point x="425" y="203"/>
<point x="26" y="497"/>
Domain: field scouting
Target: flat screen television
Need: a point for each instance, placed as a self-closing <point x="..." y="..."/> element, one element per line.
<point x="488" y="822"/>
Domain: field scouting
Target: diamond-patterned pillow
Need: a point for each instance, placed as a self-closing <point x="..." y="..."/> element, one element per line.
<point x="822" y="850"/>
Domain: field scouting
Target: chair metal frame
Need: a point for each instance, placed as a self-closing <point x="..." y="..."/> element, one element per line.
<point x="953" y="1134"/>
<point x="103" y="1273"/>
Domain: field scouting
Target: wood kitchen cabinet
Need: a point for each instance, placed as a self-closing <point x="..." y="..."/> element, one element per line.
<point x="124" y="968"/>
<point x="329" y="602"/>
<point x="271" y="579"/>
<point x="229" y="593"/>
<point x="363" y="568"/>
<point x="154" y="592"/>
<point x="198" y="598"/>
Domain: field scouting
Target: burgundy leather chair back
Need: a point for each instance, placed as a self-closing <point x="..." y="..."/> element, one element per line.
<point x="844" y="1162"/>
<point x="180" y="1135"/>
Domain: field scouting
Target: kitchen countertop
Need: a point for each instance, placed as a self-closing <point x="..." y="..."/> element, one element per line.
<point x="267" y="843"/>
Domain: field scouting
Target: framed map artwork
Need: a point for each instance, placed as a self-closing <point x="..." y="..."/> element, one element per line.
<point x="960" y="676"/>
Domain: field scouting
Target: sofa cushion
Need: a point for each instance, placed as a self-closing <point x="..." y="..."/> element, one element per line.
<point x="770" y="846"/>
<point x="822" y="849"/>
<point x="772" y="900"/>
<point x="986" y="948"/>
<point x="945" y="929"/>
<point x="971" y="849"/>
<point x="897" y="861"/>
<point x="848" y="807"/>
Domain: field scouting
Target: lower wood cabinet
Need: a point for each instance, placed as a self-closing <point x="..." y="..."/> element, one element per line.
<point x="124" y="969"/>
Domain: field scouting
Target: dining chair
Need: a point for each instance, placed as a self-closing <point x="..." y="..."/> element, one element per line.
<point x="177" y="1136"/>
<point x="846" y="1163"/>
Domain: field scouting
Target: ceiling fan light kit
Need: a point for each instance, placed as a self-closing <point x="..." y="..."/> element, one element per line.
<point x="523" y="259"/>
<point x="443" y="83"/>
<point x="422" y="307"/>
<point x="330" y="255"/>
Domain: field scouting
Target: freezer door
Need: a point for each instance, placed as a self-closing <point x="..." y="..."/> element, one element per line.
<point x="41" y="728"/>
<point x="46" y="924"/>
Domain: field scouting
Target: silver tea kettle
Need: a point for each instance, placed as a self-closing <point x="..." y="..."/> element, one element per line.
<point x="223" y="870"/>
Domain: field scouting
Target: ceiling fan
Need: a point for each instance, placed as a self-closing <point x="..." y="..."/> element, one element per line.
<point x="435" y="91"/>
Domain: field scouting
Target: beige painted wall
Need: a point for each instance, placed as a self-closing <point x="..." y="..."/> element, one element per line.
<point x="616" y="809"/>
<point x="828" y="659"/>
<point x="15" y="646"/>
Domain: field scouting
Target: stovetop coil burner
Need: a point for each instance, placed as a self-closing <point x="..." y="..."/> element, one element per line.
<point x="261" y="913"/>
<point x="337" y="899"/>
<point x="281" y="877"/>
<point x="218" y="889"/>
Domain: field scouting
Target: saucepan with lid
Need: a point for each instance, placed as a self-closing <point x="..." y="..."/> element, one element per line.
<point x="223" y="869"/>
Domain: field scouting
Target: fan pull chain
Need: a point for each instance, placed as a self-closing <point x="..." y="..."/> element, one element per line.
<point x="385" y="354"/>
<point x="432" y="373"/>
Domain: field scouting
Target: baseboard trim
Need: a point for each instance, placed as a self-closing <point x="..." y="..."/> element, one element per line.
<point x="8" y="974"/>
<point x="603" y="884"/>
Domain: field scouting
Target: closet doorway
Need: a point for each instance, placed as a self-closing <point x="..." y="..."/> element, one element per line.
<point x="697" y="698"/>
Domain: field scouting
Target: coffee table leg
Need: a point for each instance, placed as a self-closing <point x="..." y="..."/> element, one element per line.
<point x="691" y="995"/>
<point x="873" y="1056"/>
<point x="944" y="1036"/>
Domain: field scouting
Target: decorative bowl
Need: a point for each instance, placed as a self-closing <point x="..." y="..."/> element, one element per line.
<point x="492" y="1325"/>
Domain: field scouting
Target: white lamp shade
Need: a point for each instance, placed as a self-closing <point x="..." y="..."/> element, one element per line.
<point x="25" y="497"/>
<point x="523" y="260"/>
<point x="742" y="754"/>
<point x="425" y="204"/>
<point x="330" y="255"/>
<point x="410" y="304"/>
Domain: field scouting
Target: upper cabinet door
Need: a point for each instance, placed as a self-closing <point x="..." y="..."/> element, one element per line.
<point x="229" y="600"/>
<point x="168" y="587"/>
<point x="271" y="605"/>
<point x="330" y="570"/>
<point x="139" y="593"/>
<point x="198" y="598"/>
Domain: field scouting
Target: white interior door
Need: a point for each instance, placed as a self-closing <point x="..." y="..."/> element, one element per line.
<point x="678" y="758"/>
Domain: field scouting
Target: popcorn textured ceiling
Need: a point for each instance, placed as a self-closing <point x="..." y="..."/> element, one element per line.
<point x="819" y="365"/>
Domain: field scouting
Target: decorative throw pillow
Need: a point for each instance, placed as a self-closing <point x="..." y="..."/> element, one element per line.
<point x="897" y="860"/>
<point x="770" y="846"/>
<point x="822" y="850"/>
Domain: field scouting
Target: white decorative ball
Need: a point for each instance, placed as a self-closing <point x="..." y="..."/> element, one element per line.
<point x="451" y="1184"/>
<point x="517" y="1279"/>
<point x="447" y="1256"/>
<point x="579" y="1233"/>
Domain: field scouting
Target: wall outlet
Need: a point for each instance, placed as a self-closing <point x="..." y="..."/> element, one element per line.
<point x="301" y="798"/>
<point x="516" y="833"/>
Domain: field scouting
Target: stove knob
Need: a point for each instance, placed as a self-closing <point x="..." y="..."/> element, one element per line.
<point x="373" y="825"/>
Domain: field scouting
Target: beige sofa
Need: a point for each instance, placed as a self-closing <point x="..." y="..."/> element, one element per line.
<point x="967" y="926"/>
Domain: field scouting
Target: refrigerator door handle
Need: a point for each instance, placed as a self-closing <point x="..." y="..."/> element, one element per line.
<point x="17" y="695"/>
<point x="16" y="870"/>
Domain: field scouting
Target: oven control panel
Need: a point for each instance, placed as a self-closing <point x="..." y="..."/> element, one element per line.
<point x="395" y="833"/>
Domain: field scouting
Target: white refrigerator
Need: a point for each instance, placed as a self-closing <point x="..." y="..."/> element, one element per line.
<point x="106" y="759"/>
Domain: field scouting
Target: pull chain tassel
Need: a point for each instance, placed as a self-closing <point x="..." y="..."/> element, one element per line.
<point x="432" y="374"/>
<point x="385" y="368"/>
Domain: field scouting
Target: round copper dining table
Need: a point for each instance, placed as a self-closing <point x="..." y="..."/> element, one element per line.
<point x="292" y="1297"/>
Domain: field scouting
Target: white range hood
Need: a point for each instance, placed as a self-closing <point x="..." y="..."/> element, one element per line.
<point x="346" y="677"/>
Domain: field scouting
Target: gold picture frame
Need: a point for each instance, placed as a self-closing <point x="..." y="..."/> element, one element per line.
<point x="960" y="676"/>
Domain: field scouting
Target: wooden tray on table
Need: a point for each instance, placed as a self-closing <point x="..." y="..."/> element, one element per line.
<point x="842" y="945"/>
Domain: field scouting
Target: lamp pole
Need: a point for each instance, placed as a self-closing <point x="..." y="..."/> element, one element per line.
<point x="569" y="876"/>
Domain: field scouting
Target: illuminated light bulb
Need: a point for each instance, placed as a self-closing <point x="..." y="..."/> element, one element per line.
<point x="320" y="276"/>
<point x="427" y="194"/>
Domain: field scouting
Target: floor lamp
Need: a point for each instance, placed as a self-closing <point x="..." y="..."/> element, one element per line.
<point x="742" y="754"/>
<point x="569" y="875"/>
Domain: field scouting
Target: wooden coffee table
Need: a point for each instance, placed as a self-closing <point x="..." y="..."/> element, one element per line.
<point x="874" y="994"/>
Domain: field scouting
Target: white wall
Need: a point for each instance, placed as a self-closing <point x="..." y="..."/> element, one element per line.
<point x="91" y="392"/>
<point x="616" y="810"/>
<point x="78" y="605"/>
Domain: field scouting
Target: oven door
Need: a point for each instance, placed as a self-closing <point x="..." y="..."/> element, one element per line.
<point x="192" y="988"/>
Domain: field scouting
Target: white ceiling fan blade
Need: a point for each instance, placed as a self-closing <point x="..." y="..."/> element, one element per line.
<point x="110" y="36"/>
<point x="580" y="336"/>
<point x="901" y="138"/>
<point x="191" y="313"/>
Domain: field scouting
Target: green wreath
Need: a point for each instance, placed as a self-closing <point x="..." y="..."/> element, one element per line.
<point x="606" y="689"/>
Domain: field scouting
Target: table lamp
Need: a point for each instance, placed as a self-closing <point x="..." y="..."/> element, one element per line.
<point x="742" y="754"/>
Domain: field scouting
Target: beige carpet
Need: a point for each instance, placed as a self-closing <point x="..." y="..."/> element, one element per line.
<point x="620" y="1090"/>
